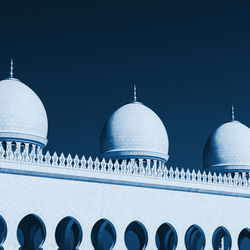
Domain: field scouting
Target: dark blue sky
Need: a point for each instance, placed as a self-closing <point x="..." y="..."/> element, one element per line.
<point x="190" y="61"/>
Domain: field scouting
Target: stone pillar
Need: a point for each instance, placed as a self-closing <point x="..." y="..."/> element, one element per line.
<point x="180" y="230"/>
<point x="87" y="226"/>
<point x="11" y="241"/>
<point x="208" y="231"/>
<point x="235" y="231"/>
<point x="151" y="230"/>
<point x="50" y="241"/>
<point x="120" y="230"/>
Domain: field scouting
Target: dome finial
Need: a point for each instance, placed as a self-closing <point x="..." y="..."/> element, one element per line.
<point x="232" y="113"/>
<point x="11" y="68"/>
<point x="135" y="97"/>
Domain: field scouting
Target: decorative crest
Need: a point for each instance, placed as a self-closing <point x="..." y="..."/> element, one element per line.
<point x="135" y="97"/>
<point x="232" y="113"/>
<point x="11" y="68"/>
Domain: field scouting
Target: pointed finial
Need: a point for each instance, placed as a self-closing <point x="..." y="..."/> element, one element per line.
<point x="232" y="113"/>
<point x="11" y="68"/>
<point x="135" y="97"/>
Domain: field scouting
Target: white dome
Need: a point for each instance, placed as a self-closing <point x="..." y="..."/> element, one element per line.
<point x="134" y="131"/>
<point x="228" y="148"/>
<point x="22" y="114"/>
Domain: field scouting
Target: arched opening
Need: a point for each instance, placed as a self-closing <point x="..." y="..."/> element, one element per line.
<point x="13" y="146"/>
<point x="31" y="233"/>
<point x="3" y="231"/>
<point x="4" y="145"/>
<point x="68" y="234"/>
<point x="195" y="238"/>
<point x="221" y="239"/>
<point x="244" y="239"/>
<point x="166" y="237"/>
<point x="136" y="236"/>
<point x="103" y="235"/>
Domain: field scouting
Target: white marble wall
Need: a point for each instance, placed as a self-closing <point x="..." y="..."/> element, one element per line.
<point x="54" y="197"/>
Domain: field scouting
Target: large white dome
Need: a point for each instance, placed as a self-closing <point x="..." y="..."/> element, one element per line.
<point x="228" y="148"/>
<point x="22" y="114"/>
<point x="134" y="131"/>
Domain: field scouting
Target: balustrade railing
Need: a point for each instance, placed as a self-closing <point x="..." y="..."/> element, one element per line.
<point x="32" y="154"/>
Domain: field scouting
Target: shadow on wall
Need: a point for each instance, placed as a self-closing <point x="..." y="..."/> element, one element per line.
<point x="166" y="237"/>
<point x="68" y="234"/>
<point x="221" y="239"/>
<point x="31" y="234"/>
<point x="103" y="235"/>
<point x="3" y="231"/>
<point x="136" y="236"/>
<point x="244" y="239"/>
<point x="195" y="238"/>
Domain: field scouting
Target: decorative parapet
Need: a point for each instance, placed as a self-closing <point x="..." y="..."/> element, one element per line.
<point x="18" y="152"/>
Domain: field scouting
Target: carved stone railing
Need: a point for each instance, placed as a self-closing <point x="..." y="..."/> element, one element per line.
<point x="32" y="154"/>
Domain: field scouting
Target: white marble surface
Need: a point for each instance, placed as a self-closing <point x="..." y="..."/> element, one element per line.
<point x="22" y="114"/>
<point x="134" y="130"/>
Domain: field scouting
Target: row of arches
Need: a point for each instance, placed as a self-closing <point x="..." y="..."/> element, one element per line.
<point x="31" y="234"/>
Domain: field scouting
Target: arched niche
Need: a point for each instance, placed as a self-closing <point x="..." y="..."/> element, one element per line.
<point x="136" y="236"/>
<point x="195" y="238"/>
<point x="3" y="232"/>
<point x="68" y="234"/>
<point x="31" y="233"/>
<point x="103" y="235"/>
<point x="244" y="239"/>
<point x="221" y="239"/>
<point x="166" y="237"/>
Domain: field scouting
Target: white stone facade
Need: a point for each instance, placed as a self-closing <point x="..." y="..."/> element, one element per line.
<point x="130" y="200"/>
<point x="53" y="188"/>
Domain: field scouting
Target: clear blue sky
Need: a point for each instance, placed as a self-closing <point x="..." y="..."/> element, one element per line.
<point x="190" y="60"/>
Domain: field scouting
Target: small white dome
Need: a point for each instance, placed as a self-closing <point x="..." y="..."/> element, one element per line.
<point x="228" y="148"/>
<point x="134" y="131"/>
<point x="22" y="114"/>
